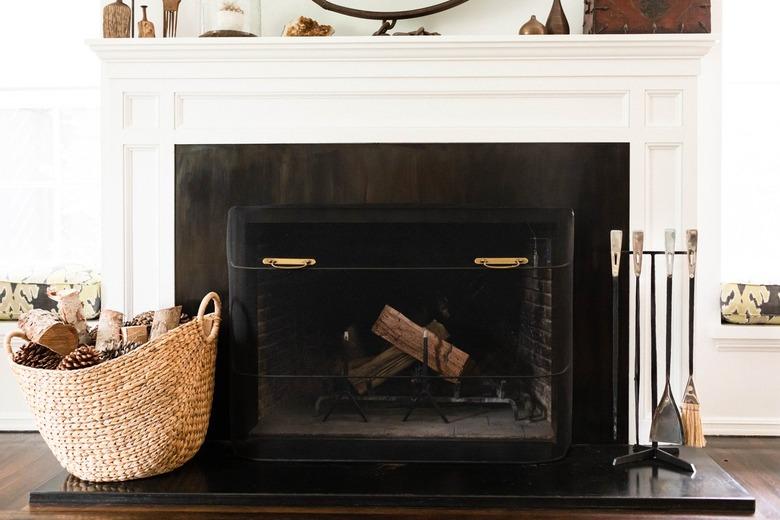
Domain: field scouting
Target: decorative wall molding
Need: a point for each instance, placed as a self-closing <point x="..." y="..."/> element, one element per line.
<point x="748" y="345"/>
<point x="18" y="423"/>
<point x="742" y="426"/>
<point x="666" y="47"/>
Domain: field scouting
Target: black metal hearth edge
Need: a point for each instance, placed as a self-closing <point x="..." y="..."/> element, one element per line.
<point x="585" y="479"/>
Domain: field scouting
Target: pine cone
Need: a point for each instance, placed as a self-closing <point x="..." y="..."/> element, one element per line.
<point x="84" y="356"/>
<point x="145" y="318"/>
<point x="116" y="349"/>
<point x="36" y="356"/>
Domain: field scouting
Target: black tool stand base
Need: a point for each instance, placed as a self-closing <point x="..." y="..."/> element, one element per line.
<point x="655" y="455"/>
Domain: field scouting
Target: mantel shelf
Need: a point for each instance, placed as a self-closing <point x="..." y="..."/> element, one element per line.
<point x="364" y="48"/>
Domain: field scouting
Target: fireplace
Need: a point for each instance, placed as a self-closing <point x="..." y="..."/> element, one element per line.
<point x="401" y="333"/>
<point x="400" y="226"/>
<point x="490" y="122"/>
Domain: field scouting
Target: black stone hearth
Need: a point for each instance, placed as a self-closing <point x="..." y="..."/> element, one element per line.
<point x="585" y="479"/>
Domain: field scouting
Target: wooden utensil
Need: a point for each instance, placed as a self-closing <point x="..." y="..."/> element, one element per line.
<point x="616" y="244"/>
<point x="170" y="17"/>
<point x="667" y="423"/>
<point x="145" y="27"/>
<point x="694" y="435"/>
<point x="638" y="247"/>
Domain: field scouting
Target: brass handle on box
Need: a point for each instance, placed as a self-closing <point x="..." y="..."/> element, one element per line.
<point x="289" y="263"/>
<point x="501" y="263"/>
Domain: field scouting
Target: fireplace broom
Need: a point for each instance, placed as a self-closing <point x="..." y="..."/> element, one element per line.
<point x="694" y="435"/>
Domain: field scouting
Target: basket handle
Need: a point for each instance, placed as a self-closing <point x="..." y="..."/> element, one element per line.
<point x="16" y="333"/>
<point x="212" y="296"/>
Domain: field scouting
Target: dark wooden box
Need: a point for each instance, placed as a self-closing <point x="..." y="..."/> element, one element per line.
<point x="647" y="16"/>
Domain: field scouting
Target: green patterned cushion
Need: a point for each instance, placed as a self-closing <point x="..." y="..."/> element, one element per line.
<point x="747" y="304"/>
<point x="20" y="293"/>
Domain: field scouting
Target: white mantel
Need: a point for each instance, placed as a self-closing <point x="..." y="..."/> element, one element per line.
<point x="643" y="90"/>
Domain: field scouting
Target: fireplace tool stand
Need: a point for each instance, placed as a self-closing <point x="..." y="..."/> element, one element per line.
<point x="423" y="394"/>
<point x="653" y="453"/>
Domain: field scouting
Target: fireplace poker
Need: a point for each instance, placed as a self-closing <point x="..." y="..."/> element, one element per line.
<point x="616" y="243"/>
<point x="638" y="246"/>
<point x="667" y="423"/>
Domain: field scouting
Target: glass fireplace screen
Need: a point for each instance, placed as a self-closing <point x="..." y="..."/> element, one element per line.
<point x="399" y="333"/>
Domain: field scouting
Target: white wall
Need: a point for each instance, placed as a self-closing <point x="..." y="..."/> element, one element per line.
<point x="751" y="164"/>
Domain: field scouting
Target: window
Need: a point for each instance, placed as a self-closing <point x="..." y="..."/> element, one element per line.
<point x="49" y="141"/>
<point x="751" y="164"/>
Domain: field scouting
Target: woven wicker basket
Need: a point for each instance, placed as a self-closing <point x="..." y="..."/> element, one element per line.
<point x="139" y="415"/>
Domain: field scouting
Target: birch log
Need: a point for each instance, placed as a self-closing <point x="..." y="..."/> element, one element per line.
<point x="109" y="329"/>
<point x="165" y="320"/>
<point x="405" y="335"/>
<point x="45" y="328"/>
<point x="71" y="312"/>
<point x="135" y="334"/>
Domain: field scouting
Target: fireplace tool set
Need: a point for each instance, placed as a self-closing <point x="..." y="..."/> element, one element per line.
<point x="667" y="423"/>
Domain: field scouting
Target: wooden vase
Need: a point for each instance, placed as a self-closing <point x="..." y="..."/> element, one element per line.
<point x="117" y="20"/>
<point x="556" y="21"/>
<point x="145" y="27"/>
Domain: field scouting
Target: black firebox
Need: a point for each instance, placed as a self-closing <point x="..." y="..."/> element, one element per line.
<point x="592" y="179"/>
<point x="401" y="333"/>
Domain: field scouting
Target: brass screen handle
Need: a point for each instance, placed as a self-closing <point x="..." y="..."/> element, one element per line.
<point x="289" y="263"/>
<point x="501" y="263"/>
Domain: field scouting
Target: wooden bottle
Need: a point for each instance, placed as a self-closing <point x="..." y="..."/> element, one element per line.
<point x="556" y="21"/>
<point x="117" y="20"/>
<point x="145" y="27"/>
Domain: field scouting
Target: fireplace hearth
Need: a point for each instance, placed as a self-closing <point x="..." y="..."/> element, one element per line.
<point x="401" y="333"/>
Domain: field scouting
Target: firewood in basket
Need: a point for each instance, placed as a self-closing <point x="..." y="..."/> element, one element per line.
<point x="45" y="328"/>
<point x="71" y="311"/>
<point x="109" y="328"/>
<point x="165" y="320"/>
<point x="405" y="335"/>
<point x="135" y="334"/>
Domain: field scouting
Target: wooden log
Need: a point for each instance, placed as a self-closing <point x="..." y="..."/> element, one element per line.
<point x="109" y="328"/>
<point x="71" y="312"/>
<point x="45" y="328"/>
<point x="378" y="369"/>
<point x="135" y="334"/>
<point x="443" y="357"/>
<point x="165" y="320"/>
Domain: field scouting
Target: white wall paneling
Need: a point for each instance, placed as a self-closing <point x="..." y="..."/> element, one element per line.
<point x="142" y="224"/>
<point x="664" y="108"/>
<point x="141" y="111"/>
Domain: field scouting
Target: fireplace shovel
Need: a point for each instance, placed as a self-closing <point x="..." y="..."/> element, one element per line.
<point x="667" y="423"/>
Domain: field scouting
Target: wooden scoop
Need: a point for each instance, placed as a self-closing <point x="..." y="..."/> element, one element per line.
<point x="667" y="423"/>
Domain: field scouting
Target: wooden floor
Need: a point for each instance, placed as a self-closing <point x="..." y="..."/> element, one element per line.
<point x="25" y="464"/>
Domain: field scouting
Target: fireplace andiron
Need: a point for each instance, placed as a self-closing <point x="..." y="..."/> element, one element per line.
<point x="652" y="453"/>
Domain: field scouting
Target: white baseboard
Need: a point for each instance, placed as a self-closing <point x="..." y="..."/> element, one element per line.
<point x="23" y="423"/>
<point x="742" y="426"/>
